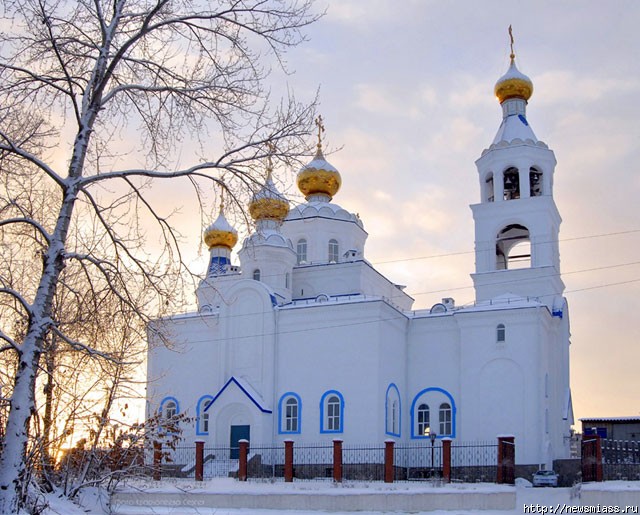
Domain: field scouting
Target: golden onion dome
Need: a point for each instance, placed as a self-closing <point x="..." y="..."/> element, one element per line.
<point x="513" y="84"/>
<point x="268" y="203"/>
<point x="319" y="177"/>
<point x="220" y="233"/>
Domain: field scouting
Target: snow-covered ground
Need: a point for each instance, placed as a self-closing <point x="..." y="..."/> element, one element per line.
<point x="555" y="501"/>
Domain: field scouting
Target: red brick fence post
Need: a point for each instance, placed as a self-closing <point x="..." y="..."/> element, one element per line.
<point x="446" y="459"/>
<point x="199" y="460"/>
<point x="288" y="461"/>
<point x="337" y="461"/>
<point x="242" y="468"/>
<point x="388" y="461"/>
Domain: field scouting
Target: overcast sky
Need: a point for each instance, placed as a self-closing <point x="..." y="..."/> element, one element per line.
<point x="406" y="92"/>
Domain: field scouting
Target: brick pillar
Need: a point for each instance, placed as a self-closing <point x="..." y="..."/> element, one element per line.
<point x="244" y="451"/>
<point x="157" y="458"/>
<point x="506" y="460"/>
<point x="388" y="461"/>
<point x="288" y="461"/>
<point x="598" y="445"/>
<point x="337" y="461"/>
<point x="446" y="459"/>
<point x="199" y="460"/>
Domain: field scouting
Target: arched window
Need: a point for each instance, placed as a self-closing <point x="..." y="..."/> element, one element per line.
<point x="334" y="250"/>
<point x="511" y="184"/>
<point x="501" y="333"/>
<point x="445" y="419"/>
<point x="392" y="407"/>
<point x="289" y="411"/>
<point x="256" y="274"/>
<point x="332" y="406"/>
<point x="535" y="182"/>
<point x="513" y="248"/>
<point x="202" y="416"/>
<point x="169" y="408"/>
<point x="423" y="420"/>
<point x="489" y="194"/>
<point x="301" y="251"/>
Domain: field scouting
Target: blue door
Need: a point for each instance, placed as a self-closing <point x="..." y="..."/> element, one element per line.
<point x="238" y="433"/>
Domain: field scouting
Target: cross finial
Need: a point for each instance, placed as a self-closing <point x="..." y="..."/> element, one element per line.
<point x="222" y="201"/>
<point x="271" y="146"/>
<point x="513" y="55"/>
<point x="320" y="126"/>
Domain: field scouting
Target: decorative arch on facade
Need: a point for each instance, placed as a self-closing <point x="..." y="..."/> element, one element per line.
<point x="202" y="416"/>
<point x="393" y="411"/>
<point x="431" y="398"/>
<point x="513" y="248"/>
<point x="332" y="412"/>
<point x="290" y="414"/>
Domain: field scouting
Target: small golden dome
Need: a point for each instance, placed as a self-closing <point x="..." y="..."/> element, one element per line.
<point x="220" y="233"/>
<point x="268" y="203"/>
<point x="319" y="177"/>
<point x="513" y="84"/>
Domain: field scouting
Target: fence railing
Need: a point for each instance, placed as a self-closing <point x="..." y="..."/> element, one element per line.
<point x="443" y="460"/>
<point x="620" y="459"/>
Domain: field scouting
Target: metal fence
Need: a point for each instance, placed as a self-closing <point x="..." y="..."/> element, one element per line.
<point x="470" y="462"/>
<point x="620" y="459"/>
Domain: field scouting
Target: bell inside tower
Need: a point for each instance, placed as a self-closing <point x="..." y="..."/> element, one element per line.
<point x="511" y="184"/>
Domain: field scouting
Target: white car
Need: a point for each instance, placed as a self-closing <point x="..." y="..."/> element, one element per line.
<point x="545" y="478"/>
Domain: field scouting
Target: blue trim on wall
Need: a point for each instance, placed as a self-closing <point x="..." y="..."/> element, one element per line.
<point x="386" y="411"/>
<point x="199" y="409"/>
<point x="453" y="413"/>
<point x="167" y="399"/>
<point x="281" y="428"/>
<point x="234" y="380"/>
<point x="322" y="412"/>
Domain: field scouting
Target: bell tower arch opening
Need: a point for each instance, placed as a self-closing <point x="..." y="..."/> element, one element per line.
<point x="511" y="183"/>
<point x="513" y="248"/>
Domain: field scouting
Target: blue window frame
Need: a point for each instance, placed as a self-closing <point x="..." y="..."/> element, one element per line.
<point x="290" y="414"/>
<point x="392" y="411"/>
<point x="332" y="412"/>
<point x="202" y="416"/>
<point x="422" y="417"/>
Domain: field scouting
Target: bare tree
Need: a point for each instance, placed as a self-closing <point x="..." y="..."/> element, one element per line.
<point x="73" y="77"/>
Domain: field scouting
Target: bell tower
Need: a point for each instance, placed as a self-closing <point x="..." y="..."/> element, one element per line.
<point x="516" y="222"/>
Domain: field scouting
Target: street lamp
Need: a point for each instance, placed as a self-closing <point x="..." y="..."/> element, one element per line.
<point x="432" y="436"/>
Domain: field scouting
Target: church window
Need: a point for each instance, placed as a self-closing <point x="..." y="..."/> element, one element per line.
<point x="256" y="274"/>
<point x="511" y="184"/>
<point x="392" y="407"/>
<point x="501" y="333"/>
<point x="169" y="408"/>
<point x="333" y="251"/>
<point x="289" y="410"/>
<point x="202" y="416"/>
<point x="331" y="419"/>
<point x="445" y="419"/>
<point x="535" y="182"/>
<point x="287" y="280"/>
<point x="301" y="250"/>
<point x="423" y="420"/>
<point x="291" y="415"/>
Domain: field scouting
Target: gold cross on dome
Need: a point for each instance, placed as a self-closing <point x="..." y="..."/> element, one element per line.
<point x="320" y="126"/>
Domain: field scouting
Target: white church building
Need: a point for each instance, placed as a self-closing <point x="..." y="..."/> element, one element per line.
<point x="304" y="339"/>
